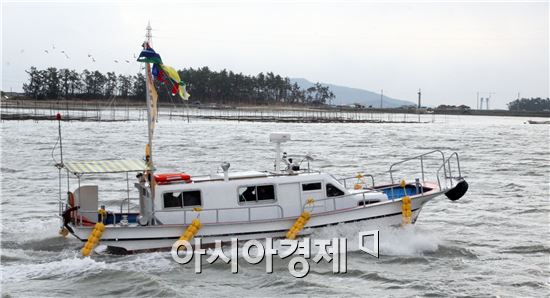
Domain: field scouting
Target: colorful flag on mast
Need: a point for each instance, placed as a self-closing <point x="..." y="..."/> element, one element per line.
<point x="163" y="73"/>
<point x="178" y="85"/>
<point x="148" y="55"/>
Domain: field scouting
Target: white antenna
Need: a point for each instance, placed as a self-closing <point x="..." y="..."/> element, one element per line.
<point x="149" y="34"/>
<point x="278" y="138"/>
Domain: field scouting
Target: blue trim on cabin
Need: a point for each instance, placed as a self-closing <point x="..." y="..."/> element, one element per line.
<point x="399" y="192"/>
<point x="132" y="217"/>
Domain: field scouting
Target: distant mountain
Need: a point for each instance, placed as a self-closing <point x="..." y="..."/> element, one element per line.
<point x="347" y="95"/>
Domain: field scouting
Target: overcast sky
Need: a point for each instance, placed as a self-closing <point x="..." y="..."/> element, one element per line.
<point x="450" y="50"/>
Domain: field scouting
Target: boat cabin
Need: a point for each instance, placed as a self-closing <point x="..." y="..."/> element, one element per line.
<point x="245" y="196"/>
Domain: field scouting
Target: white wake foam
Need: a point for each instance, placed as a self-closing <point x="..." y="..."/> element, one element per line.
<point x="69" y="267"/>
<point x="31" y="229"/>
<point x="407" y="241"/>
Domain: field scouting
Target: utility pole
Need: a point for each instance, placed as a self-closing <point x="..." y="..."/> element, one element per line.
<point x="381" y="98"/>
<point x="419" y="103"/>
<point x="478" y="100"/>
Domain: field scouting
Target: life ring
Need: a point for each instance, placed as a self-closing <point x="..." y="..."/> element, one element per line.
<point x="70" y="199"/>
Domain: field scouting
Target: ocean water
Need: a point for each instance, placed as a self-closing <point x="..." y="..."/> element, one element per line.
<point x="492" y="242"/>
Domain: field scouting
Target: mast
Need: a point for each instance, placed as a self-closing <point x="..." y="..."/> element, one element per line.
<point x="149" y="152"/>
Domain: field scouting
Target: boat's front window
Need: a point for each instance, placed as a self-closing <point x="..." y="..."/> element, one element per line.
<point x="182" y="199"/>
<point x="333" y="191"/>
<point x="256" y="193"/>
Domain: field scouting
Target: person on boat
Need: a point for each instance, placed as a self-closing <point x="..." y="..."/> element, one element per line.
<point x="67" y="217"/>
<point x="141" y="178"/>
<point x="291" y="165"/>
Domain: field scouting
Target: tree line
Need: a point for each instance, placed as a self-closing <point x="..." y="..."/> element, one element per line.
<point x="204" y="85"/>
<point x="530" y="104"/>
<point x="228" y="87"/>
<point x="53" y="83"/>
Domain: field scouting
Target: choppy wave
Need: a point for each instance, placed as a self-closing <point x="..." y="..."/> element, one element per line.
<point x="527" y="249"/>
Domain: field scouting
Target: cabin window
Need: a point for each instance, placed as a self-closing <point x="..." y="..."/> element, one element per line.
<point x="333" y="191"/>
<point x="172" y="200"/>
<point x="191" y="198"/>
<point x="247" y="194"/>
<point x="256" y="193"/>
<point x="311" y="186"/>
<point x="266" y="192"/>
<point x="182" y="199"/>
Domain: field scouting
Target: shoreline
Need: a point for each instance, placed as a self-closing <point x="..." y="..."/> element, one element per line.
<point x="95" y="104"/>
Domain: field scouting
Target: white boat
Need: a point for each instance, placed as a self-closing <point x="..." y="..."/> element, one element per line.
<point x="246" y="205"/>
<point x="538" y="122"/>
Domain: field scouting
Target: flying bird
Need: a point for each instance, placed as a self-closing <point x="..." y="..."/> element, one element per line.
<point x="46" y="51"/>
<point x="93" y="60"/>
<point x="116" y="61"/>
<point x="127" y="61"/>
<point x="66" y="56"/>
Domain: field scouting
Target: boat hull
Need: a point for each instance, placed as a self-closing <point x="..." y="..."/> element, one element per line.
<point x="131" y="239"/>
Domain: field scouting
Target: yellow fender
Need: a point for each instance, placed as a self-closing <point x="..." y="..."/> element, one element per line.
<point x="406" y="211"/>
<point x="93" y="239"/>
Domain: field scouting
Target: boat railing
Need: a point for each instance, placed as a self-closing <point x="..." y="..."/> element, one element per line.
<point x="187" y="218"/>
<point x="264" y="174"/>
<point x="127" y="201"/>
<point x="448" y="170"/>
<point x="79" y="218"/>
<point x="219" y="211"/>
<point x="357" y="177"/>
<point x="419" y="158"/>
